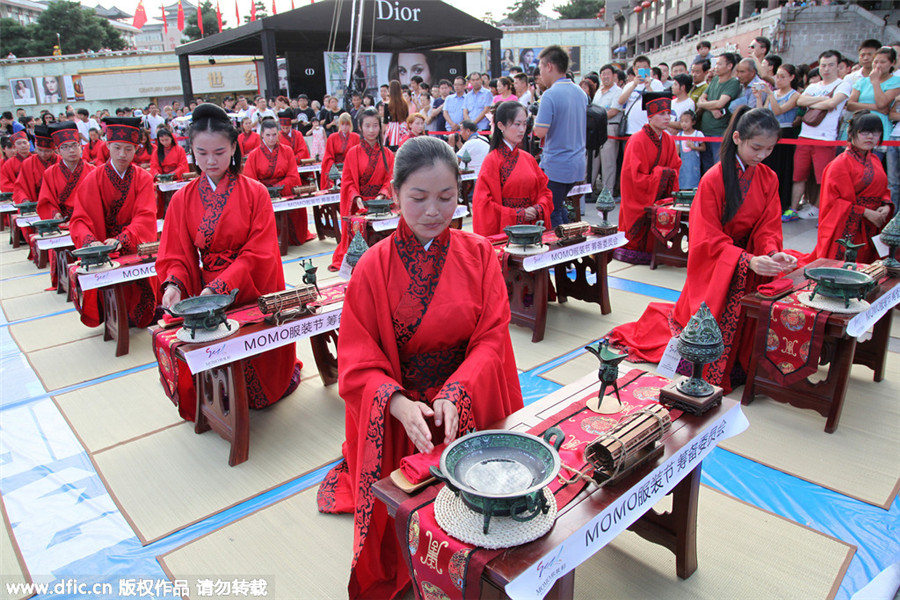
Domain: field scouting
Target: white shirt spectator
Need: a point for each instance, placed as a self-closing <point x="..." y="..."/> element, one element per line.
<point x="525" y="99"/>
<point x="151" y="123"/>
<point x="609" y="100"/>
<point x="477" y="148"/>
<point x="637" y="117"/>
<point x="257" y="117"/>
<point x="84" y="127"/>
<point x="828" y="128"/>
<point x="679" y="106"/>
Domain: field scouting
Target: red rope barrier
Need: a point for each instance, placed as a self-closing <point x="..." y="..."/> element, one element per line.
<point x="785" y="141"/>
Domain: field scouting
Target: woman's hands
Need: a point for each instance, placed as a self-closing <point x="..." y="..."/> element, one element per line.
<point x="116" y="244"/>
<point x="359" y="203"/>
<point x="413" y="416"/>
<point x="171" y="296"/>
<point x="877" y="217"/>
<point x="531" y="214"/>
<point x="772" y="266"/>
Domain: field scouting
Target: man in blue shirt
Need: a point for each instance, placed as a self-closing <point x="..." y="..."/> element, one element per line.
<point x="455" y="104"/>
<point x="478" y="102"/>
<point x="562" y="123"/>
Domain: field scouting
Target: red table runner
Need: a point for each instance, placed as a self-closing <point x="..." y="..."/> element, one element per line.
<point x="444" y="567"/>
<point x="665" y="222"/>
<point x="793" y="337"/>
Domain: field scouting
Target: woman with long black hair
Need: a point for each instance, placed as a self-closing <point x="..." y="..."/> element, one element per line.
<point x="169" y="156"/>
<point x="736" y="244"/>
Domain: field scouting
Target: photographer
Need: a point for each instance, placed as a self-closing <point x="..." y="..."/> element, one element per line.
<point x="635" y="117"/>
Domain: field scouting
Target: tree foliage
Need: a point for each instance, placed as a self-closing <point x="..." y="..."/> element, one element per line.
<point x="580" y="9"/>
<point x="525" y="12"/>
<point x="210" y="22"/>
<point x="79" y="29"/>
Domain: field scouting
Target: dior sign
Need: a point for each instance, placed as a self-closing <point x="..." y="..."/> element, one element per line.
<point x="395" y="12"/>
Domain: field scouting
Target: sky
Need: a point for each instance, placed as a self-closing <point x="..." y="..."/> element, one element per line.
<point x="476" y="8"/>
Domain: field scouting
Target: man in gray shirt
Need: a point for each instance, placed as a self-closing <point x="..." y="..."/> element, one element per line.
<point x="562" y="123"/>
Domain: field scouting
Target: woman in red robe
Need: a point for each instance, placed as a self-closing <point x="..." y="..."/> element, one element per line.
<point x="248" y="139"/>
<point x="291" y="137"/>
<point x="96" y="150"/>
<point x="336" y="148"/>
<point x="855" y="200"/>
<point x="735" y="228"/>
<point x="115" y="206"/>
<point x="511" y="188"/>
<point x="273" y="165"/>
<point x="230" y="225"/>
<point x="409" y="381"/>
<point x="145" y="150"/>
<point x="169" y="156"/>
<point x="367" y="174"/>
<point x="11" y="167"/>
<point x="649" y="173"/>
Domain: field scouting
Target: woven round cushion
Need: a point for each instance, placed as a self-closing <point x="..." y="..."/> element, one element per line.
<point x="208" y="335"/>
<point x="834" y="305"/>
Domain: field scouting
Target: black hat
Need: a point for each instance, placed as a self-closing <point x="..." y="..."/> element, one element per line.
<point x="285" y="117"/>
<point x="123" y="129"/>
<point x="42" y="137"/>
<point x="656" y="102"/>
<point x="64" y="132"/>
<point x="208" y="110"/>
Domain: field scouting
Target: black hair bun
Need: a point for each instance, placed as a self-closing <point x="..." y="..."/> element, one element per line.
<point x="208" y="110"/>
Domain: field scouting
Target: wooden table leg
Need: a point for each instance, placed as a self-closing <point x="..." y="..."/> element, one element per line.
<point x="62" y="258"/>
<point x="40" y="257"/>
<point x="528" y="298"/>
<point x="281" y="220"/>
<point x="327" y="219"/>
<point x="580" y="288"/>
<point x="223" y="406"/>
<point x="676" y="530"/>
<point x="15" y="236"/>
<point x="326" y="360"/>
<point x="115" y="318"/>
<point x="873" y="353"/>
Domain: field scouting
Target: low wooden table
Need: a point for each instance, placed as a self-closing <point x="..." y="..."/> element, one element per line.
<point x="64" y="258"/>
<point x="581" y="525"/>
<point x="573" y="198"/>
<point x="671" y="252"/>
<point x="7" y="209"/>
<point x="325" y="207"/>
<point x="164" y="193"/>
<point x="839" y="350"/>
<point x="529" y="283"/>
<point x="218" y="371"/>
<point x="16" y="224"/>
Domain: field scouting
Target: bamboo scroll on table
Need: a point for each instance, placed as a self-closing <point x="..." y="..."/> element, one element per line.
<point x="148" y="249"/>
<point x="614" y="451"/>
<point x="298" y="298"/>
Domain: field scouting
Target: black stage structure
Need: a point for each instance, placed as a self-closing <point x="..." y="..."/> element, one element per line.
<point x="388" y="26"/>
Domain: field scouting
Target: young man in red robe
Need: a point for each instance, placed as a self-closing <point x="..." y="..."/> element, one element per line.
<point x="855" y="202"/>
<point x="62" y="180"/>
<point x="273" y="165"/>
<point x="736" y="238"/>
<point x="291" y="137"/>
<point x="28" y="183"/>
<point x="511" y="188"/>
<point x="409" y="380"/>
<point x="95" y="150"/>
<point x="649" y="173"/>
<point x="367" y="173"/>
<point x="115" y="206"/>
<point x="336" y="148"/>
<point x="11" y="167"/>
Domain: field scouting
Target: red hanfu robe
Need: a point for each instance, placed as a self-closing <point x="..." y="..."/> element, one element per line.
<point x="143" y="155"/>
<point x="510" y="181"/>
<point x="28" y="183"/>
<point x="174" y="161"/>
<point x="277" y="168"/>
<point x="394" y="337"/>
<point x="232" y="230"/>
<point x="296" y="143"/>
<point x="248" y="142"/>
<point x="336" y="149"/>
<point x="649" y="173"/>
<point x="9" y="172"/>
<point x="367" y="172"/>
<point x="718" y="271"/>
<point x="851" y="183"/>
<point x="124" y="208"/>
<point x="96" y="152"/>
<point x="57" y="197"/>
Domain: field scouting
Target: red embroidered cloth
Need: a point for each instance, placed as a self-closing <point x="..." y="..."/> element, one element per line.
<point x="665" y="223"/>
<point x="793" y="338"/>
<point x="444" y="567"/>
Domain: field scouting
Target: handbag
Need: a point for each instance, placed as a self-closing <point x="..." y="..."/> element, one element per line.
<point x="623" y="124"/>
<point x="814" y="116"/>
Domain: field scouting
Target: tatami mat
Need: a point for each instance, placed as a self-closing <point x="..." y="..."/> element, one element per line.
<point x="118" y="410"/>
<point x="52" y="331"/>
<point x="858" y="460"/>
<point x="299" y="552"/>
<point x="586" y="363"/>
<point x="33" y="305"/>
<point x="83" y="360"/>
<point x="167" y="480"/>
<point x="19" y="268"/>
<point x="24" y="286"/>
<point x="743" y="552"/>
<point x="672" y="278"/>
<point x="13" y="571"/>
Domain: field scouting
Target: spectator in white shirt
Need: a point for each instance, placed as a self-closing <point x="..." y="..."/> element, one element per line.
<point x="85" y="123"/>
<point x="607" y="98"/>
<point x="474" y="144"/>
<point x="520" y="83"/>
<point x="866" y="54"/>
<point x="681" y="102"/>
<point x="630" y="98"/>
<point x="262" y="111"/>
<point x="153" y="119"/>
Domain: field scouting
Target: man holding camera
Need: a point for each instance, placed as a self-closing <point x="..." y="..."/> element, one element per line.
<point x="635" y="116"/>
<point x="561" y="123"/>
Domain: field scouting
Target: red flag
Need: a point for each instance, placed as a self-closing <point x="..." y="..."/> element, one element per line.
<point x="140" y="16"/>
<point x="165" y="20"/>
<point x="252" y="10"/>
<point x="237" y="14"/>
<point x="292" y="4"/>
<point x="274" y="10"/>
<point x="219" y="15"/>
<point x="180" y="16"/>
<point x="200" y="20"/>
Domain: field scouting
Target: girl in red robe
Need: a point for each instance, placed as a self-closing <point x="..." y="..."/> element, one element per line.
<point x="855" y="200"/>
<point x="96" y="150"/>
<point x="511" y="188"/>
<point x="367" y="174"/>
<point x="272" y="164"/>
<point x="115" y="206"/>
<point x="9" y="172"/>
<point x="143" y="155"/>
<point x="649" y="173"/>
<point x="291" y="137"/>
<point x="336" y="148"/>
<point x="735" y="225"/>
<point x="409" y="381"/>
<point x="248" y="139"/>
<point x="227" y="220"/>
<point x="169" y="156"/>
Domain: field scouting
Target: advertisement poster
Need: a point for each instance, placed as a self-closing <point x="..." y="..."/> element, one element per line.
<point x="22" y="90"/>
<point x="375" y="68"/>
<point x="527" y="60"/>
<point x="73" y="86"/>
<point x="50" y="89"/>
